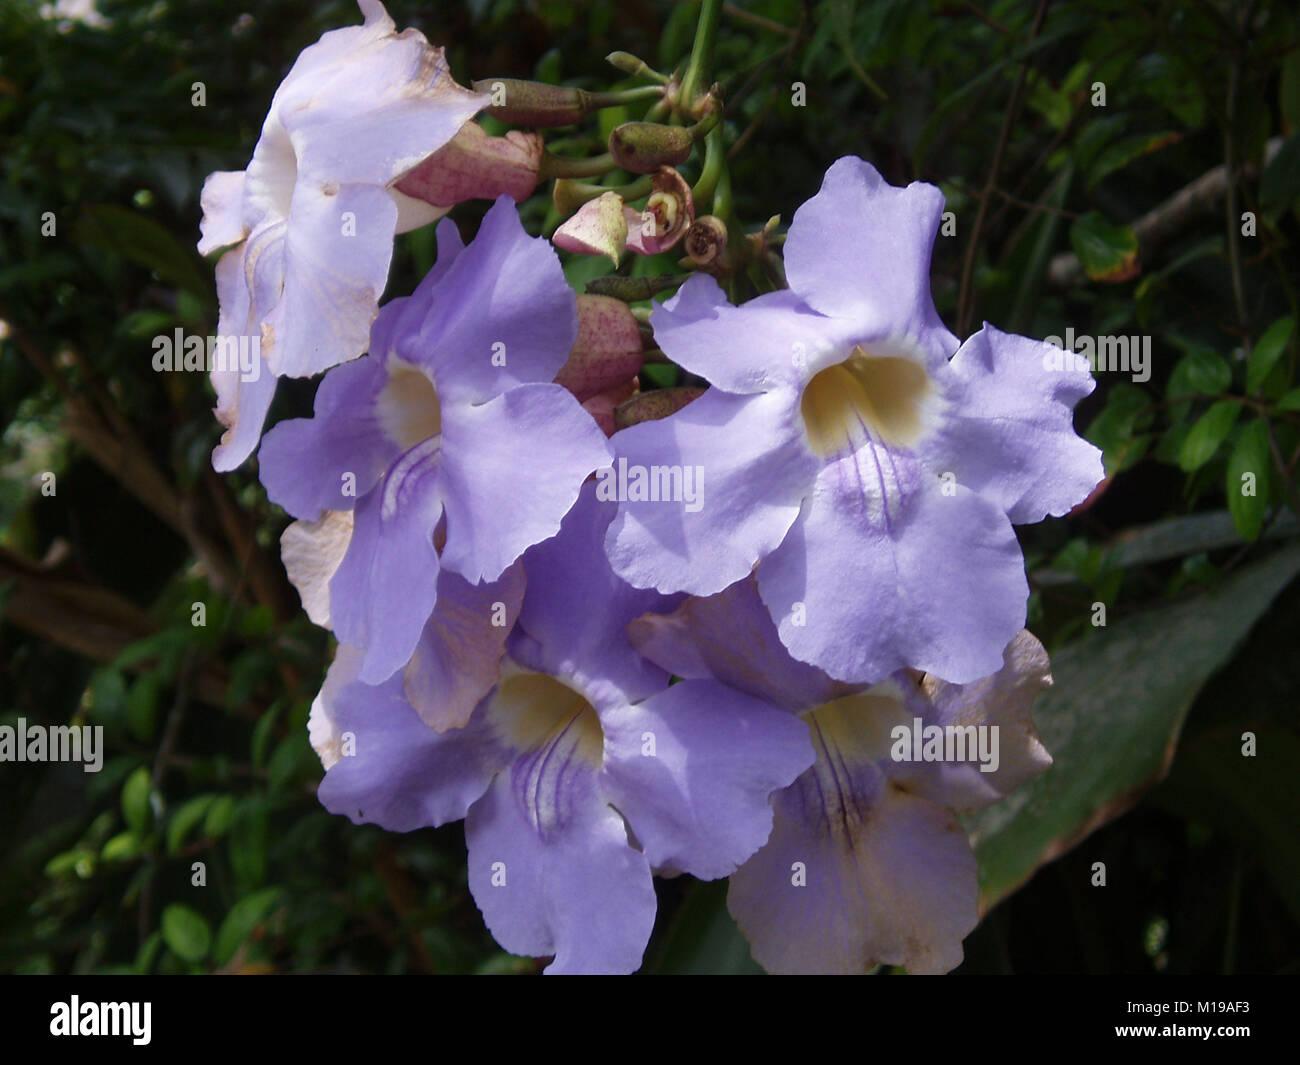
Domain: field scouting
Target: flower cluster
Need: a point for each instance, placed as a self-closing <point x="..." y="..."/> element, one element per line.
<point x="731" y="631"/>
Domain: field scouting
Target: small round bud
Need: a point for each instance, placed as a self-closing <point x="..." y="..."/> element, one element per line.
<point x="706" y="240"/>
<point x="643" y="147"/>
<point x="651" y="406"/>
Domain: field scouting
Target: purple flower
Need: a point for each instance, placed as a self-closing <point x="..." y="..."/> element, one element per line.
<point x="458" y="657"/>
<point x="866" y="863"/>
<point x="310" y="222"/>
<point x="580" y="749"/>
<point x="447" y="440"/>
<point x="865" y="463"/>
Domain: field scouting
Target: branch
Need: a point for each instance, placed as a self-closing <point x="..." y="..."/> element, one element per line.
<point x="1164" y="221"/>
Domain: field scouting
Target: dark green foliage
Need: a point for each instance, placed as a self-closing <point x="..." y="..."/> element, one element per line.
<point x="1057" y="208"/>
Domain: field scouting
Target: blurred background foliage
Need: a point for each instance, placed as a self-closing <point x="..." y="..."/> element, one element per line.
<point x="1165" y="206"/>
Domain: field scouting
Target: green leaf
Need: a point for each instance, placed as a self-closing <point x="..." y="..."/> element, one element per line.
<point x="703" y="938"/>
<point x="1279" y="185"/>
<point x="186" y="932"/>
<point x="1111" y="721"/>
<point x="135" y="801"/>
<point x="142" y="706"/>
<point x="122" y="848"/>
<point x="249" y="834"/>
<point x="121" y="231"/>
<point x="1210" y="430"/>
<point x="1252" y="798"/>
<point x="220" y="815"/>
<point x="1200" y="372"/>
<point x="1291" y="401"/>
<point x="1118" y="155"/>
<point x="262" y="734"/>
<point x="1107" y="252"/>
<point x="1247" y="479"/>
<point x="1115" y="430"/>
<point x="184" y="820"/>
<point x="1267" y="351"/>
<point x="242" y="921"/>
<point x="148" y="951"/>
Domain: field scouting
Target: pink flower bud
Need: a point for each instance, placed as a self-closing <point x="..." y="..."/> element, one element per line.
<point x="602" y="405"/>
<point x="476" y="166"/>
<point x="607" y="352"/>
<point x="599" y="228"/>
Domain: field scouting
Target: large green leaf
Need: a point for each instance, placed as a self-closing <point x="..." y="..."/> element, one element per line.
<point x="1246" y="483"/>
<point x="1108" y="252"/>
<point x="140" y="239"/>
<point x="1210" y="431"/>
<point x="704" y="938"/>
<point x="186" y="932"/>
<point x="1252" y="797"/>
<point x="242" y="921"/>
<point x="1111" y="721"/>
<point x="1270" y="348"/>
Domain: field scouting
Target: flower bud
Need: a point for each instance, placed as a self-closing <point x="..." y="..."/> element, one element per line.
<point x="607" y="352"/>
<point x="599" y="228"/>
<point x="533" y="103"/>
<point x="651" y="406"/>
<point x="706" y="240"/>
<point x="602" y="405"/>
<point x="643" y="147"/>
<point x="474" y="165"/>
<point x="666" y="217"/>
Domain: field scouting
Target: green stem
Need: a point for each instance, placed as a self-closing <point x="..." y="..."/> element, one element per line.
<point x="715" y="165"/>
<point x="582" y="193"/>
<point x="637" y="68"/>
<point x="597" y="100"/>
<point x="557" y="166"/>
<point x="722" y="193"/>
<point x="699" y="70"/>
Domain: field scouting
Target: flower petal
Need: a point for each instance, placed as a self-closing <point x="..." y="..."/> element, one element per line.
<point x="857" y="873"/>
<point x="772" y="341"/>
<point x="311" y="552"/>
<point x="401" y="774"/>
<point x="248" y="277"/>
<point x="576" y="608"/>
<point x="1002" y="701"/>
<point x="458" y="658"/>
<point x="748" y="459"/>
<point x="692" y="769"/>
<point x="311" y="465"/>
<point x="222" y="200"/>
<point x="732" y="638"/>
<point x="386" y="586"/>
<point x="925" y="580"/>
<point x="1011" y="434"/>
<point x="860" y="249"/>
<point x="502" y="315"/>
<point x="551" y="868"/>
<point x="366" y="104"/>
<point x="514" y="466"/>
<point x="338" y="247"/>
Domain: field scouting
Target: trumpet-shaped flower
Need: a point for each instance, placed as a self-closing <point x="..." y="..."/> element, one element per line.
<point x="579" y="774"/>
<point x="866" y="864"/>
<point x="868" y="465"/>
<point x="310" y="222"/>
<point x="448" y="441"/>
